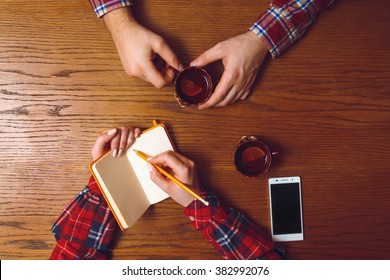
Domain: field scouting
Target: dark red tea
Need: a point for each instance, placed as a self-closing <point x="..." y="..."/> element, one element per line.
<point x="252" y="158"/>
<point x="193" y="86"/>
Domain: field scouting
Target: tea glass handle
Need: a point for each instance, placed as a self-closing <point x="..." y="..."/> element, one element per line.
<point x="177" y="72"/>
<point x="181" y="102"/>
<point x="247" y="138"/>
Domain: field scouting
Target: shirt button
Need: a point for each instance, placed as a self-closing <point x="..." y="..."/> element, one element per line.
<point x="191" y="218"/>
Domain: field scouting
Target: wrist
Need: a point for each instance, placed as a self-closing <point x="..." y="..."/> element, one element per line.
<point x="199" y="214"/>
<point x="119" y="19"/>
<point x="257" y="41"/>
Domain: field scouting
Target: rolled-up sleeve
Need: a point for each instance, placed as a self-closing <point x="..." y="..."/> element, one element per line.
<point x="285" y="21"/>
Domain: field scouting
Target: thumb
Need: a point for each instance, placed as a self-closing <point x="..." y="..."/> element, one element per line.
<point x="207" y="57"/>
<point x="107" y="136"/>
<point x="99" y="147"/>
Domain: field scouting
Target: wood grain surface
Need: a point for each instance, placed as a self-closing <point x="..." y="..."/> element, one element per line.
<point x="324" y="105"/>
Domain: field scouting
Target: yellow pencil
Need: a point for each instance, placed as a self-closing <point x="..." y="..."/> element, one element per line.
<point x="169" y="176"/>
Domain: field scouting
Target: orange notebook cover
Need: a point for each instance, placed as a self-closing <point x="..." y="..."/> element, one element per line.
<point x="125" y="181"/>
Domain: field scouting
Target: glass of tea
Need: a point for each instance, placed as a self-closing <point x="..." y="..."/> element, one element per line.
<point x="252" y="157"/>
<point x="193" y="86"/>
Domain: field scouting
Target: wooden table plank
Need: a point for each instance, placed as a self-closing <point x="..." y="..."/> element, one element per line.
<point x="324" y="105"/>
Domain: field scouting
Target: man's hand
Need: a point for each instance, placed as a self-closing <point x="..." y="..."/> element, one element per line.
<point x="242" y="57"/>
<point x="137" y="48"/>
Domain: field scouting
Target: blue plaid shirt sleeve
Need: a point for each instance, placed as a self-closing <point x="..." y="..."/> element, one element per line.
<point x="102" y="7"/>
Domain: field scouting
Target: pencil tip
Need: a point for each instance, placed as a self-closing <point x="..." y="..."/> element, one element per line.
<point x="205" y="202"/>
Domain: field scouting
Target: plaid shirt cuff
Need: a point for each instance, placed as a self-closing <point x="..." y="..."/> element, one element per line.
<point x="199" y="215"/>
<point x="102" y="7"/>
<point x="285" y="22"/>
<point x="86" y="228"/>
<point x="230" y="232"/>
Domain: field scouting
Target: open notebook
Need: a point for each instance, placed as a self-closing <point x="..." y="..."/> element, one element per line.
<point x="125" y="181"/>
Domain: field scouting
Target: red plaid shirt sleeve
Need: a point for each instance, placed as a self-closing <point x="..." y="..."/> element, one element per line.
<point x="285" y="21"/>
<point x="231" y="233"/>
<point x="102" y="7"/>
<point x="86" y="228"/>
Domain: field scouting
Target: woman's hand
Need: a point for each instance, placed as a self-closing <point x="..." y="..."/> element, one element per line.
<point x="117" y="139"/>
<point x="180" y="167"/>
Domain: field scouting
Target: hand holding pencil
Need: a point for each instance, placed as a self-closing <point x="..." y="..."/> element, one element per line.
<point x="183" y="170"/>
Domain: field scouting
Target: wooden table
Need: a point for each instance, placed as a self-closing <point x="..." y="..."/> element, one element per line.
<point x="324" y="105"/>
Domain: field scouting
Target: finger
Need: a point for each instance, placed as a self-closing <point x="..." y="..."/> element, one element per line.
<point x="245" y="95"/>
<point x="168" y="72"/>
<point x="240" y="95"/>
<point x="167" y="54"/>
<point x="177" y="193"/>
<point x="168" y="75"/>
<point x="130" y="137"/>
<point x="170" y="159"/>
<point x="178" y="165"/>
<point x="152" y="75"/>
<point x="133" y="134"/>
<point x="123" y="140"/>
<point x="240" y="86"/>
<point x="101" y="142"/>
<point x="221" y="91"/>
<point x="248" y="87"/>
<point x="211" y="55"/>
<point x="105" y="138"/>
<point x="137" y="133"/>
<point x="114" y="145"/>
<point x="230" y="96"/>
<point x="158" y="178"/>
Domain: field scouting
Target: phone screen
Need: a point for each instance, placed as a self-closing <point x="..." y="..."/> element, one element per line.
<point x="286" y="208"/>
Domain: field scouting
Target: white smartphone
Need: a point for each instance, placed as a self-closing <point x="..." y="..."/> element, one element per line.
<point x="286" y="208"/>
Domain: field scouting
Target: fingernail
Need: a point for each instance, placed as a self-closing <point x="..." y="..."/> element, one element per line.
<point x="120" y="152"/>
<point x="111" y="132"/>
<point x="114" y="152"/>
<point x="150" y="167"/>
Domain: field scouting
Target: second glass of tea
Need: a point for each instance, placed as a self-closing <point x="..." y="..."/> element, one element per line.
<point x="252" y="157"/>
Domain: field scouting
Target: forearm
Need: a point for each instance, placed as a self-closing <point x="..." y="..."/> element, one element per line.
<point x="118" y="22"/>
<point x="230" y="232"/>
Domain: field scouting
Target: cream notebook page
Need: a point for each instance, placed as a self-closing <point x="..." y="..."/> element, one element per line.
<point x="122" y="189"/>
<point x="151" y="143"/>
